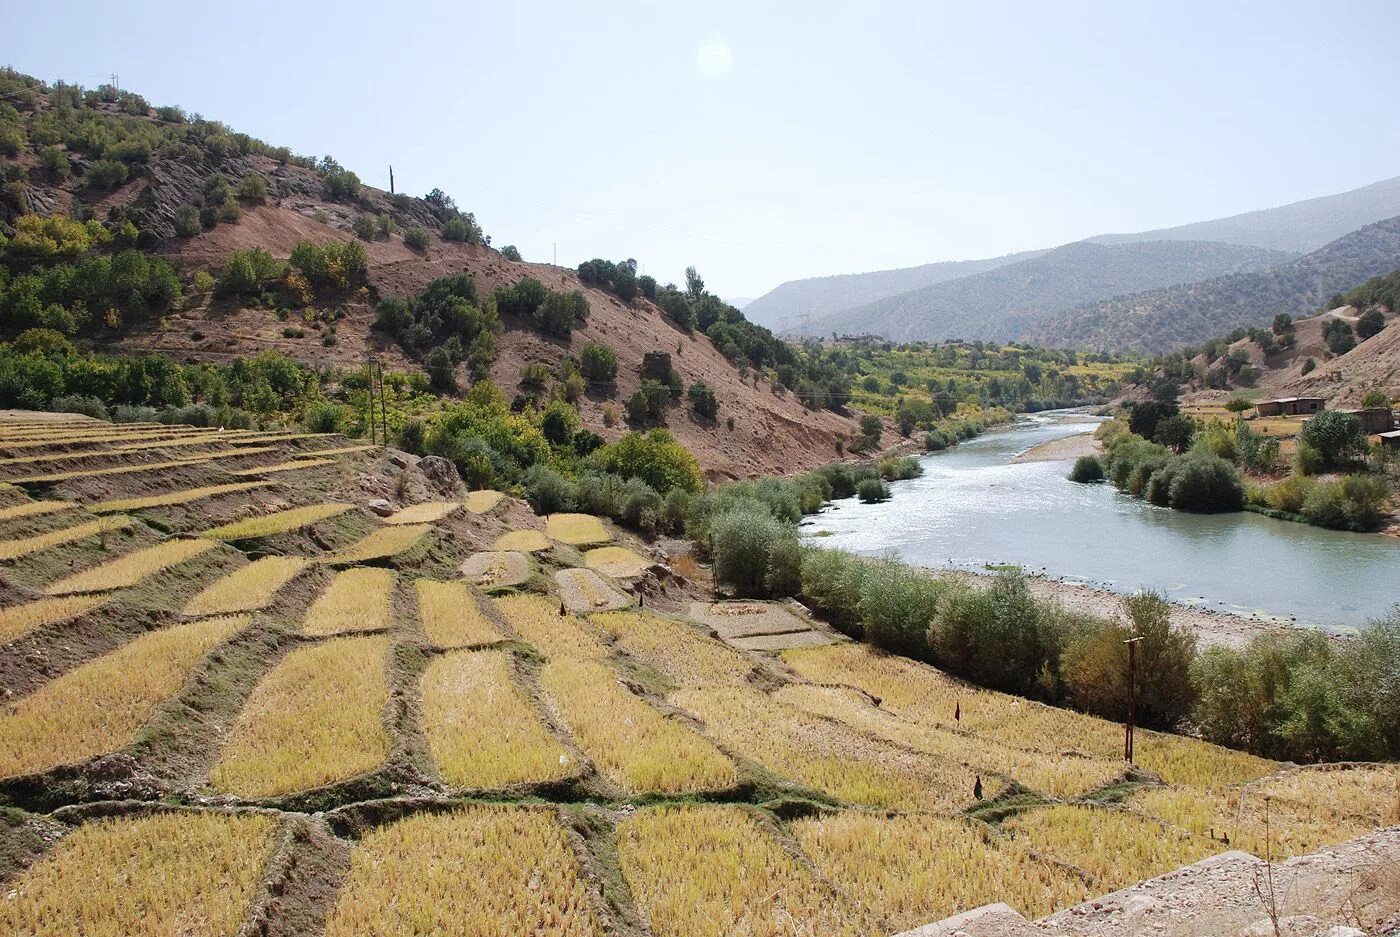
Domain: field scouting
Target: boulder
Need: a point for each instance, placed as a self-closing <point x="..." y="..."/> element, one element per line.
<point x="381" y="507"/>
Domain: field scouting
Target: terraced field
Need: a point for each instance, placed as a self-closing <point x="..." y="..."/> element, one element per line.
<point x="233" y="699"/>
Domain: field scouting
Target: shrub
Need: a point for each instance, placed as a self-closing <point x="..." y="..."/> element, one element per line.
<point x="230" y="211"/>
<point x="253" y="188"/>
<point x="1238" y="405"/>
<point x="548" y="491"/>
<point x="1309" y="366"/>
<point x="900" y="469"/>
<point x="897" y="602"/>
<point x="364" y="227"/>
<point x="1339" y="336"/>
<point x="560" y="312"/>
<point x="1338" y="438"/>
<point x="460" y="229"/>
<point x="416" y="239"/>
<point x="88" y="406"/>
<point x="871" y="429"/>
<point x="1370" y="324"/>
<point x="341" y="185"/>
<point x="873" y="491"/>
<point x="1203" y="484"/>
<point x="597" y="362"/>
<point x="1353" y="502"/>
<point x="248" y="272"/>
<point x="54" y="159"/>
<point x="639" y="506"/>
<point x="511" y="252"/>
<point x="1000" y="636"/>
<point x="935" y="441"/>
<point x="1086" y="468"/>
<point x="1175" y="432"/>
<point x="1375" y="397"/>
<point x="831" y="586"/>
<point x="744" y="543"/>
<point x="324" y="417"/>
<point x="702" y="400"/>
<point x="106" y="174"/>
<point x="186" y="221"/>
<point x="655" y="457"/>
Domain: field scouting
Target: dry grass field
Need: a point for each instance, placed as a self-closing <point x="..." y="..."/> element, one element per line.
<point x="474" y="871"/>
<point x="246" y="589"/>
<point x="356" y="600"/>
<point x="315" y="719"/>
<point x="100" y="706"/>
<point x="481" y="729"/>
<point x="450" y="615"/>
<point x="152" y="876"/>
<point x="634" y="762"/>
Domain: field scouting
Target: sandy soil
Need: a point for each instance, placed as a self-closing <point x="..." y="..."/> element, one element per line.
<point x="1061" y="450"/>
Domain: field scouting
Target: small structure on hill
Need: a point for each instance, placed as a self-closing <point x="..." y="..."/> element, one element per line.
<point x="1290" y="406"/>
<point x="1391" y="440"/>
<point x="1374" y="419"/>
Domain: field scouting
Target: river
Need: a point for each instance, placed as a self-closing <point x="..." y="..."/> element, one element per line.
<point x="973" y="509"/>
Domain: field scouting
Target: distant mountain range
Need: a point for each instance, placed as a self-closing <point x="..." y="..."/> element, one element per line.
<point x="1149" y="275"/>
<point x="1158" y="320"/>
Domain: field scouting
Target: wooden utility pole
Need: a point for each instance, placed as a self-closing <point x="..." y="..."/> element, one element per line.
<point x="1132" y="697"/>
<point x="369" y="372"/>
<point x="391" y="178"/>
<point x="383" y="407"/>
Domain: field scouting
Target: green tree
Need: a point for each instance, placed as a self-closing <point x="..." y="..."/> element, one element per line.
<point x="597" y="362"/>
<point x="703" y="400"/>
<point x="1338" y="438"/>
<point x="1370" y="323"/>
<point x="511" y="252"/>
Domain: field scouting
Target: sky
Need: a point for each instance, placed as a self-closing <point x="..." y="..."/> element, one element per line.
<point x="762" y="142"/>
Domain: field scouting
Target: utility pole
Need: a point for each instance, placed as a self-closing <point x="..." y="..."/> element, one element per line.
<point x="391" y="178"/>
<point x="1132" y="697"/>
<point x="369" y="371"/>
<point x="383" y="408"/>
<point x="116" y="83"/>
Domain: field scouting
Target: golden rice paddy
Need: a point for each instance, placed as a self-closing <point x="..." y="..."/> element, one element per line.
<point x="292" y="466"/>
<point x="632" y="743"/>
<point x="1057" y="774"/>
<point x="315" y="719"/>
<point x="151" y="876"/>
<point x="382" y="543"/>
<point x="174" y="497"/>
<point x="340" y="450"/>
<point x="278" y="522"/>
<point x="130" y="569"/>
<point x="911" y="870"/>
<point x="31" y="508"/>
<point x="576" y="529"/>
<point x="356" y="600"/>
<point x="1116" y="847"/>
<point x="481" y="730"/>
<point x="828" y="756"/>
<point x="18" y="620"/>
<point x="479" y="502"/>
<point x="23" y="546"/>
<point x="426" y="513"/>
<point x="100" y="706"/>
<point x="450" y="616"/>
<point x="522" y="541"/>
<point x="715" y="872"/>
<point x="143" y="467"/>
<point x="247" y="589"/>
<point x="617" y="562"/>
<point x="677" y="651"/>
<point x="537" y="620"/>
<point x="477" y="871"/>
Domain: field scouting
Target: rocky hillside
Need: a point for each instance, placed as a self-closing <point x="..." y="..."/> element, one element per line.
<point x="101" y="155"/>
<point x="1001" y="304"/>
<point x="1162" y="319"/>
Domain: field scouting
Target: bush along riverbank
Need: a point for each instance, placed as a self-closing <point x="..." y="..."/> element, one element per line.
<point x="1213" y="468"/>
<point x="1295" y="695"/>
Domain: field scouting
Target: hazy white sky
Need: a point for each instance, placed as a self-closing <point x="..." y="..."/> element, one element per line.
<point x="764" y="142"/>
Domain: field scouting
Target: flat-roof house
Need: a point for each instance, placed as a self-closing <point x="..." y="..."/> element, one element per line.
<point x="1374" y="419"/>
<point x="1290" y="406"/>
<point x="1391" y="439"/>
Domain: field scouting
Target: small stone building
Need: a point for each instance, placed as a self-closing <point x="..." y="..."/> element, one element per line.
<point x="1290" y="406"/>
<point x="1374" y="419"/>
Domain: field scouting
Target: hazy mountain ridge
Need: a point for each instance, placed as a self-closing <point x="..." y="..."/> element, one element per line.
<point x="1299" y="227"/>
<point x="1162" y="319"/>
<point x="818" y="297"/>
<point x="998" y="305"/>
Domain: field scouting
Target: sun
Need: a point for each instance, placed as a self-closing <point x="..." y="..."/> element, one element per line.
<point x="713" y="57"/>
